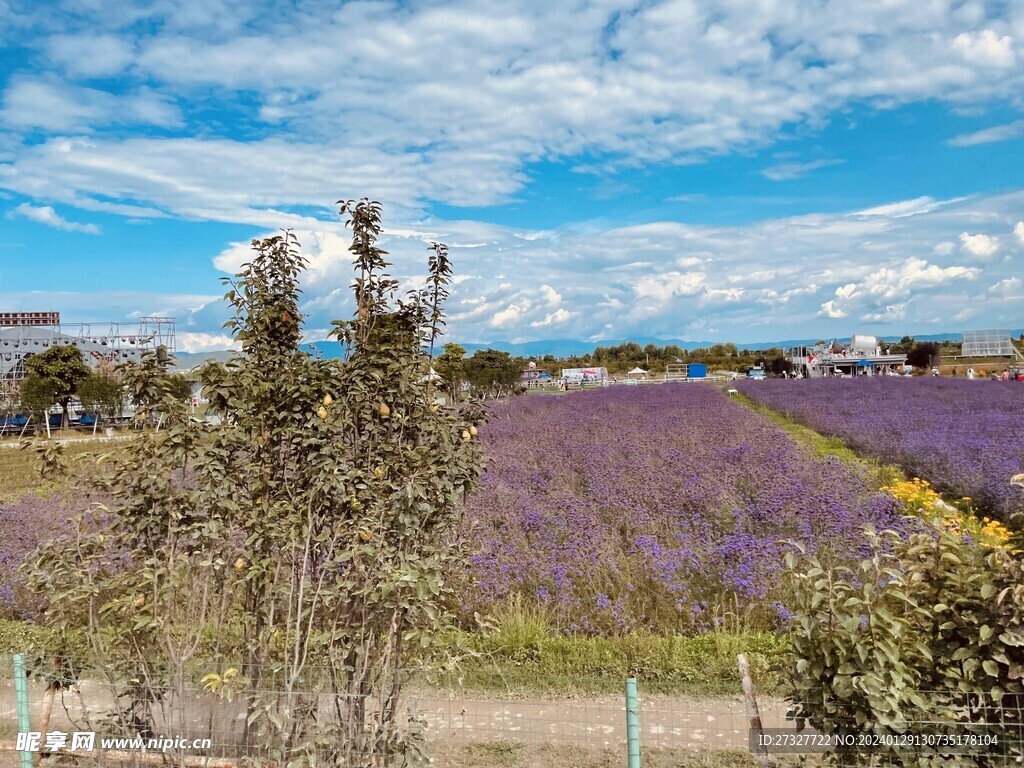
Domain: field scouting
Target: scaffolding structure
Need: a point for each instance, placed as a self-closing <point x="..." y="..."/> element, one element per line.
<point x="100" y="344"/>
<point x="993" y="342"/>
<point x="677" y="372"/>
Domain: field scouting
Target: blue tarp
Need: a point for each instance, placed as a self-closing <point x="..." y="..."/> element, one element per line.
<point x="864" y="364"/>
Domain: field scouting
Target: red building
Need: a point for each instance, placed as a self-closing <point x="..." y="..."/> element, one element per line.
<point x="10" y="319"/>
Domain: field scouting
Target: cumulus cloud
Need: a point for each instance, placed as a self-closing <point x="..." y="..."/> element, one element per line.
<point x="190" y="341"/>
<point x="811" y="270"/>
<point x="511" y="315"/>
<point x="550" y="295"/>
<point x="45" y="214"/>
<point x="552" y="319"/>
<point x="622" y="281"/>
<point x="986" y="48"/>
<point x="943" y="249"/>
<point x="887" y="283"/>
<point x="1010" y="286"/>
<point x="1018" y="231"/>
<point x="831" y="310"/>
<point x="979" y="246"/>
<point x="254" y="115"/>
<point x="668" y="285"/>
<point x="616" y="81"/>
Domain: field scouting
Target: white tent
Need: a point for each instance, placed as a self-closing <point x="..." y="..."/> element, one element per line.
<point x="639" y="371"/>
<point x="432" y="376"/>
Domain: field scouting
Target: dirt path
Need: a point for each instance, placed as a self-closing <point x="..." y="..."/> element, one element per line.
<point x="665" y="721"/>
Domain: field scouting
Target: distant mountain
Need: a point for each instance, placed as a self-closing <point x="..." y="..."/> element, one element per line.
<point x="566" y="347"/>
<point x="185" y="361"/>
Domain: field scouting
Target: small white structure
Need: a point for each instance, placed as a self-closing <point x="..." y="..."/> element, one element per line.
<point x="432" y="376"/>
<point x="861" y="344"/>
<point x="638" y="372"/>
<point x="585" y="376"/>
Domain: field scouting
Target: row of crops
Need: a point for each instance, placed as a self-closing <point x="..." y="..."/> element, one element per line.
<point x="658" y="508"/>
<point x="965" y="437"/>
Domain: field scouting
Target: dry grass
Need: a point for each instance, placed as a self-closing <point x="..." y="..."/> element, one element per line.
<point x="18" y="467"/>
<point x="511" y="754"/>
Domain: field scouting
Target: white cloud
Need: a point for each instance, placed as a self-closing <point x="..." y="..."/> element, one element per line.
<point x="986" y="48"/>
<point x="45" y="214"/>
<point x="786" y="171"/>
<point x="550" y="295"/>
<point x="980" y="246"/>
<point x="713" y="296"/>
<point x="890" y="314"/>
<point x="50" y="105"/>
<point x="1010" y="286"/>
<point x="626" y="277"/>
<point x="669" y="285"/>
<point x="887" y="283"/>
<point x="831" y="310"/>
<point x="90" y="55"/>
<point x="1018" y="231"/>
<point x="394" y="110"/>
<point x="509" y="316"/>
<point x="204" y="342"/>
<point x="943" y="249"/>
<point x="554" y="318"/>
<point x="903" y="208"/>
<point x="618" y="276"/>
<point x="989" y="135"/>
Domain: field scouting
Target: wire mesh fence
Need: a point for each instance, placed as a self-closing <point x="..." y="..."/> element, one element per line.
<point x="192" y="723"/>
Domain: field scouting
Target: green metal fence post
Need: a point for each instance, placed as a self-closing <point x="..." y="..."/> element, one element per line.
<point x="632" y="724"/>
<point x="21" y="692"/>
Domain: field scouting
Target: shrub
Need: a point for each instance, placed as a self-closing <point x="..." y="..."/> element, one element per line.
<point x="930" y="627"/>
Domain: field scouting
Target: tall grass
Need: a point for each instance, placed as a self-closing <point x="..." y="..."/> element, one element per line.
<point x="519" y="652"/>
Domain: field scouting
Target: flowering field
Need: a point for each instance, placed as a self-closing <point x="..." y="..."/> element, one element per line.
<point x="648" y="508"/>
<point x="24" y="522"/>
<point x="654" y="508"/>
<point x="965" y="437"/>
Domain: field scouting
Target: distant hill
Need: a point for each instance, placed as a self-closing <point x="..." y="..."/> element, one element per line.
<point x="564" y="347"/>
<point x="187" y="360"/>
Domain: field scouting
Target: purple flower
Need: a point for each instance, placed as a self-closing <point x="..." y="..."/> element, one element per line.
<point x="653" y="509"/>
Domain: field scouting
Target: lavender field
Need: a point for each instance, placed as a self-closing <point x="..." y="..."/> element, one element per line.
<point x="654" y="508"/>
<point x="620" y="510"/>
<point x="965" y="437"/>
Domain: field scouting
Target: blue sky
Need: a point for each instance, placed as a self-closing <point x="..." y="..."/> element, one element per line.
<point x="742" y="170"/>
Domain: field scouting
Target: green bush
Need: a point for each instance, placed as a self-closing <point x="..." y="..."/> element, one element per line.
<point x="929" y="628"/>
<point x="19" y="637"/>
